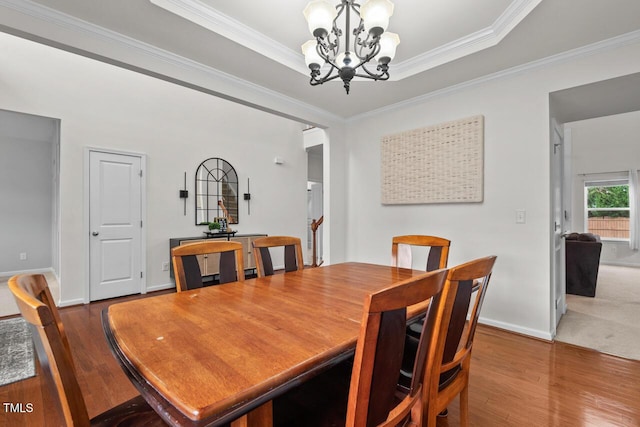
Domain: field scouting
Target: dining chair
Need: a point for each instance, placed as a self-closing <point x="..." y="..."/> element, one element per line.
<point x="378" y="357"/>
<point x="373" y="395"/>
<point x="465" y="290"/>
<point x="187" y="270"/>
<point x="401" y="256"/>
<point x="438" y="250"/>
<point x="292" y="254"/>
<point x="51" y="344"/>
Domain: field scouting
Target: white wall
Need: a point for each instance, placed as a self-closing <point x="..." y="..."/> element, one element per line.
<point x="604" y="144"/>
<point x="107" y="107"/>
<point x="517" y="176"/>
<point x="314" y="163"/>
<point x="26" y="194"/>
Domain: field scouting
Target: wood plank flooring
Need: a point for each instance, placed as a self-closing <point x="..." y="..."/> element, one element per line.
<point x="515" y="381"/>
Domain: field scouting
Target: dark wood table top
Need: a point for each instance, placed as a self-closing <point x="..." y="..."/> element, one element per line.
<point x="207" y="356"/>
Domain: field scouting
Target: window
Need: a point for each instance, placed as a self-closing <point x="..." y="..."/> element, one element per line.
<point x="607" y="209"/>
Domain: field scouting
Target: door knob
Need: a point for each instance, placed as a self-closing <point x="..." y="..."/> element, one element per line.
<point x="94" y="233"/>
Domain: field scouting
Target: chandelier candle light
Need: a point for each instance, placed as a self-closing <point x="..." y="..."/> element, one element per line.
<point x="371" y="40"/>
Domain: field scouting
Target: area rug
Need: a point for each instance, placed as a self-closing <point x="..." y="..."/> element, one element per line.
<point x="16" y="351"/>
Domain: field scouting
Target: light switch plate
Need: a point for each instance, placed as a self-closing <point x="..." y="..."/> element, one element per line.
<point x="521" y="216"/>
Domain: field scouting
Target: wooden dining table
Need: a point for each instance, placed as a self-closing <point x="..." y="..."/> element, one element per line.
<point x="220" y="353"/>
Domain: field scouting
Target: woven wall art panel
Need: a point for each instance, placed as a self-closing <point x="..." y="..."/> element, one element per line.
<point x="436" y="164"/>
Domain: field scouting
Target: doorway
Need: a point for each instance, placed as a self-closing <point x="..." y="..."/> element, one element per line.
<point x="29" y="190"/>
<point x="316" y="143"/>
<point x="596" y="119"/>
<point x="315" y="196"/>
<point x="115" y="198"/>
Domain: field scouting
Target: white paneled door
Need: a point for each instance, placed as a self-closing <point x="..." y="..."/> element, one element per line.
<point x="558" y="293"/>
<point x="115" y="220"/>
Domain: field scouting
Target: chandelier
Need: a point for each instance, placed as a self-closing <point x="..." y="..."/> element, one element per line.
<point x="370" y="41"/>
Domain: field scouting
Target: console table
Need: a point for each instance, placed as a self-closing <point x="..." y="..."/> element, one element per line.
<point x="209" y="263"/>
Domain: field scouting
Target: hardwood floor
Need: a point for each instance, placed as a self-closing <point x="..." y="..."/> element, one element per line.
<point x="515" y="381"/>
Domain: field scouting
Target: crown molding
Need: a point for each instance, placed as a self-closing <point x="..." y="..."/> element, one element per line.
<point x="78" y="27"/>
<point x="466" y="45"/>
<point x="208" y="17"/>
<point x="85" y="29"/>
<point x="592" y="49"/>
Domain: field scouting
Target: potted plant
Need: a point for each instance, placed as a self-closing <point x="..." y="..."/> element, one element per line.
<point x="214" y="227"/>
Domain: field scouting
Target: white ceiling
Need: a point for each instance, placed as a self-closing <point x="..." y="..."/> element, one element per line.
<point x="444" y="43"/>
<point x="429" y="40"/>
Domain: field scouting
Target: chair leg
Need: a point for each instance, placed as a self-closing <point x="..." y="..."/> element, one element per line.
<point x="429" y="417"/>
<point x="261" y="416"/>
<point x="417" y="416"/>
<point x="464" y="407"/>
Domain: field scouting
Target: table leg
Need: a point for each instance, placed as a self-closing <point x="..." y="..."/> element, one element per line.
<point x="262" y="416"/>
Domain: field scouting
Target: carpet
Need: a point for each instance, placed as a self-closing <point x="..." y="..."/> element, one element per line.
<point x="610" y="322"/>
<point x="16" y="351"/>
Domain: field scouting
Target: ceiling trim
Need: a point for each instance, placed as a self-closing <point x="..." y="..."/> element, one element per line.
<point x="594" y="48"/>
<point x="210" y="18"/>
<point x="144" y="50"/>
<point x="467" y="45"/>
<point x="78" y="26"/>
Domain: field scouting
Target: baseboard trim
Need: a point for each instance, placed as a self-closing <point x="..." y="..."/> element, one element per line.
<point x="71" y="302"/>
<point x="32" y="271"/>
<point x="535" y="333"/>
<point x="161" y="287"/>
<point x="621" y="264"/>
<point x="80" y="301"/>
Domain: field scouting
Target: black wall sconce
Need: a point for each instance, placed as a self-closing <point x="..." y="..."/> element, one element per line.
<point x="247" y="197"/>
<point x="184" y="194"/>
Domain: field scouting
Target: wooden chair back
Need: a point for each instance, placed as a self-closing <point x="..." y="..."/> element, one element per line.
<point x="378" y="357"/>
<point x="450" y="375"/>
<point x="438" y="250"/>
<point x="36" y="304"/>
<point x="293" y="259"/>
<point x="187" y="270"/>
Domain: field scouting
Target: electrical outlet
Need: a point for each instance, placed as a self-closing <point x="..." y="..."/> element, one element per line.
<point x="23" y="256"/>
<point x="165" y="266"/>
<point x="521" y="216"/>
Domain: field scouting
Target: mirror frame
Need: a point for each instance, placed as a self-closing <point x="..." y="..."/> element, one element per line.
<point x="211" y="175"/>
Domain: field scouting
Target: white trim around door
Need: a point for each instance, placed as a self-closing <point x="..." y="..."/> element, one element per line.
<point x="138" y="255"/>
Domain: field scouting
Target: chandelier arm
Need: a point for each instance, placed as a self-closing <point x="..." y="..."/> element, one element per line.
<point x="373" y="46"/>
<point x="359" y="48"/>
<point x="334" y="45"/>
<point x="363" y="60"/>
<point x="326" y="77"/>
<point x="340" y="8"/>
<point x="383" y="75"/>
<point x="315" y="81"/>
<point x="323" y="50"/>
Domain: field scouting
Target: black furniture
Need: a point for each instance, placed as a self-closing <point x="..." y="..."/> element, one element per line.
<point x="582" y="259"/>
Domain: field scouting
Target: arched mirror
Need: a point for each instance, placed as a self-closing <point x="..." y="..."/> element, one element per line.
<point x="216" y="187"/>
